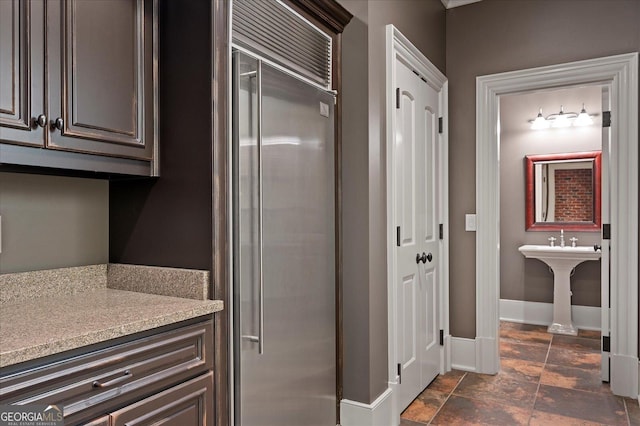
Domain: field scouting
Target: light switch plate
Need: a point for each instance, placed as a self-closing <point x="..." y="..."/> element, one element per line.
<point x="469" y="222"/>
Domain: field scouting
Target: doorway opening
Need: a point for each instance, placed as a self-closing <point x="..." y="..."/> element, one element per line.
<point x="551" y="186"/>
<point x="620" y="74"/>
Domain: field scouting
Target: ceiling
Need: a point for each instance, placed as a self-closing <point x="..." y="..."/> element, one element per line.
<point x="450" y="4"/>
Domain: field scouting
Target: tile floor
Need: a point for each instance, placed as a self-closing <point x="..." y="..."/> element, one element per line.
<point x="545" y="379"/>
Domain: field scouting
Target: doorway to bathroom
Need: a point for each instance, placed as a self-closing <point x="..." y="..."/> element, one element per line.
<point x="620" y="75"/>
<point x="551" y="187"/>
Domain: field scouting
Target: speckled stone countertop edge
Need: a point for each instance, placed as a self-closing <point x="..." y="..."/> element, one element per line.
<point x="29" y="353"/>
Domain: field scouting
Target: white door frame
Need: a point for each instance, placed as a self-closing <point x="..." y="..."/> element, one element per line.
<point x="399" y="47"/>
<point x="620" y="72"/>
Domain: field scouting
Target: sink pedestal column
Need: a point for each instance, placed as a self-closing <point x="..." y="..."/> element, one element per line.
<point x="561" y="260"/>
<point x="562" y="301"/>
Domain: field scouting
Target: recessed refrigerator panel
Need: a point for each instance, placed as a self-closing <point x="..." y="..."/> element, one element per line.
<point x="284" y="281"/>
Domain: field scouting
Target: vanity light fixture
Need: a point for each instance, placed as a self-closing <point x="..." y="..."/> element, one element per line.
<point x="561" y="119"/>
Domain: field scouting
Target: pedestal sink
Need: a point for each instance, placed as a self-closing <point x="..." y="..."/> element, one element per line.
<point x="561" y="260"/>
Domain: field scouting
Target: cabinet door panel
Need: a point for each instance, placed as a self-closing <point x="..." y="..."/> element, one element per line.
<point x="21" y="71"/>
<point x="101" y="77"/>
<point x="188" y="404"/>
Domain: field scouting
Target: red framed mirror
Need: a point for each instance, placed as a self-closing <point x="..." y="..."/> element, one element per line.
<point x="563" y="191"/>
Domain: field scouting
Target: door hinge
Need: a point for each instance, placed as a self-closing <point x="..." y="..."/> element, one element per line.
<point x="441" y="231"/>
<point x="606" y="118"/>
<point x="398" y="236"/>
<point x="606" y="344"/>
<point x="439" y="124"/>
<point x="399" y="373"/>
<point x="398" y="98"/>
<point x="606" y="231"/>
<point x="441" y="337"/>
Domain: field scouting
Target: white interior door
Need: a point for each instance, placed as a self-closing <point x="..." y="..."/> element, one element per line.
<point x="429" y="326"/>
<point x="605" y="269"/>
<point x="416" y="255"/>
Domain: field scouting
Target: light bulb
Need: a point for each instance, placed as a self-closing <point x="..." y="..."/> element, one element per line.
<point x="561" y="119"/>
<point x="583" y="118"/>
<point x="540" y="122"/>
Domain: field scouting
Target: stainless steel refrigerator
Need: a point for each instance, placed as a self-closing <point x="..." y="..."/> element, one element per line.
<point x="284" y="248"/>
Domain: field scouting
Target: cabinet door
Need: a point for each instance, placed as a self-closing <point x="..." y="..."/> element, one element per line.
<point x="188" y="404"/>
<point x="22" y="72"/>
<point x="101" y="76"/>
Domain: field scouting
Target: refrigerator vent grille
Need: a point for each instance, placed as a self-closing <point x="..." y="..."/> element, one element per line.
<point x="284" y="37"/>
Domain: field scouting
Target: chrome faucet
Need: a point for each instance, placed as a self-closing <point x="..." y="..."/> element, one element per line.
<point x="552" y="241"/>
<point x="573" y="240"/>
<point x="562" y="238"/>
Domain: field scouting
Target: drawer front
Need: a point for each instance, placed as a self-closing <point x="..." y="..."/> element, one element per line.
<point x="87" y="385"/>
<point x="188" y="404"/>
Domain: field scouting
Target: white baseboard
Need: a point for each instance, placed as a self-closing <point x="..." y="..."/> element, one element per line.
<point x="463" y="354"/>
<point x="624" y="375"/>
<point x="584" y="317"/>
<point x="379" y="412"/>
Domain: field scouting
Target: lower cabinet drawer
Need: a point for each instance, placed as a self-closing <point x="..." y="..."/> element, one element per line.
<point x="187" y="404"/>
<point x="95" y="383"/>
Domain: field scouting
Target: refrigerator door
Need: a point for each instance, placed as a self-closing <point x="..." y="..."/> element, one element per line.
<point x="284" y="284"/>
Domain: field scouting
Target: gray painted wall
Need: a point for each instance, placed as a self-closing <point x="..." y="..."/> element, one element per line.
<point x="364" y="181"/>
<point x="52" y="222"/>
<point x="530" y="279"/>
<point x="494" y="36"/>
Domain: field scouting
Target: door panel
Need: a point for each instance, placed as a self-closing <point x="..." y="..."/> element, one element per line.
<point x="605" y="261"/>
<point x="101" y="49"/>
<point x="409" y="198"/>
<point x="430" y="355"/>
<point x="22" y="72"/>
<point x="415" y="211"/>
<point x="406" y="170"/>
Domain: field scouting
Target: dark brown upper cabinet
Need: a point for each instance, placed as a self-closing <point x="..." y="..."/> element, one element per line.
<point x="78" y="77"/>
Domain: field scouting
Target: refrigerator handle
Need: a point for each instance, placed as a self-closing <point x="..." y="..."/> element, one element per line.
<point x="260" y="208"/>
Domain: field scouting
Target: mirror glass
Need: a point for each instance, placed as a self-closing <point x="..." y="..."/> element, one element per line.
<point x="563" y="192"/>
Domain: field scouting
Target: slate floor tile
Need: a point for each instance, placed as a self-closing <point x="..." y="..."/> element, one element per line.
<point x="447" y="382"/>
<point x="465" y="411"/>
<point x="521" y="370"/>
<point x="574" y="378"/>
<point x="537" y="353"/>
<point x="425" y="406"/>
<point x="572" y="358"/>
<point x="591" y="406"/>
<point x="498" y="389"/>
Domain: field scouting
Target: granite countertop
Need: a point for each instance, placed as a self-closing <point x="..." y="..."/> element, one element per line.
<point x="36" y="327"/>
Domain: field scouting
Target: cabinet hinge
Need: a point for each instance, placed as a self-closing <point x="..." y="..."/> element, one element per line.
<point x="441" y="337"/>
<point x="606" y="118"/>
<point x="398" y="98"/>
<point x="398" y="236"/>
<point x="441" y="231"/>
<point x="399" y="373"/>
<point x="606" y="344"/>
<point x="439" y="124"/>
<point x="606" y="231"/>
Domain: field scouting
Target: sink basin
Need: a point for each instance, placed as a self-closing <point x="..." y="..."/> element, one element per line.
<point x="579" y="253"/>
<point x="561" y="260"/>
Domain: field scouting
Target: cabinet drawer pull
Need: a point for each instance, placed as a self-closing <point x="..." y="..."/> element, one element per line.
<point x="127" y="375"/>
